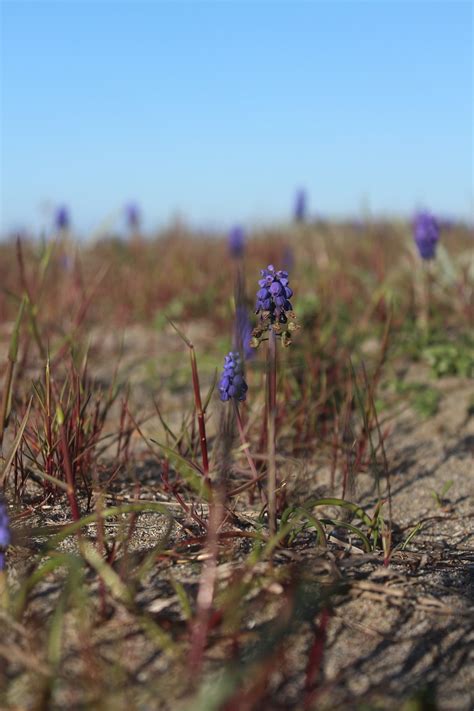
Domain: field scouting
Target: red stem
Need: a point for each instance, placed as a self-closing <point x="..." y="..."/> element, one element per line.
<point x="200" y="414"/>
<point x="71" y="495"/>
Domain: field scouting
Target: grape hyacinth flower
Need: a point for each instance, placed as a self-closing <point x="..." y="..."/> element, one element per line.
<point x="276" y="319"/>
<point x="426" y="234"/>
<point x="62" y="218"/>
<point x="300" y="207"/>
<point x="232" y="383"/>
<point x="5" y="536"/>
<point x="132" y="216"/>
<point x="274" y="306"/>
<point x="236" y="242"/>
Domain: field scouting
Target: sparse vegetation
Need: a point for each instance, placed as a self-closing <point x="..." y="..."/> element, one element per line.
<point x="151" y="562"/>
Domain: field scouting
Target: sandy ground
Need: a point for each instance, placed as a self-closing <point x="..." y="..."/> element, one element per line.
<point x="400" y="630"/>
<point x="412" y="624"/>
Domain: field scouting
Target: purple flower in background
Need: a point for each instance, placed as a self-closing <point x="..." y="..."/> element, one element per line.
<point x="426" y="234"/>
<point x="236" y="242"/>
<point x="274" y="294"/>
<point x="5" y="536"/>
<point x="243" y="332"/>
<point x="62" y="219"/>
<point x="300" y="206"/>
<point x="132" y="216"/>
<point x="288" y="258"/>
<point x="232" y="383"/>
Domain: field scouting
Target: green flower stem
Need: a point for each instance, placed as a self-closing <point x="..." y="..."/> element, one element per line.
<point x="271" y="427"/>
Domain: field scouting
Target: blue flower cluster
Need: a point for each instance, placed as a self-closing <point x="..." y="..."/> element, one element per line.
<point x="232" y="383"/>
<point x="426" y="234"/>
<point x="274" y="306"/>
<point x="274" y="294"/>
<point x="5" y="536"/>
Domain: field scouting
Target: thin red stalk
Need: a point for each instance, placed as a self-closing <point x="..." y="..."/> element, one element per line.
<point x="71" y="494"/>
<point x="200" y="413"/>
<point x="123" y="414"/>
<point x="263" y="434"/>
<point x="335" y="449"/>
<point x="315" y="659"/>
<point x="12" y="357"/>
<point x="49" y="463"/>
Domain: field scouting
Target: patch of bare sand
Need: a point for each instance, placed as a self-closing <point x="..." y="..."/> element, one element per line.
<point x="411" y="627"/>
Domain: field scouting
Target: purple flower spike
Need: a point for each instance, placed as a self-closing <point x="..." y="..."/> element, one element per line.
<point x="426" y="234"/>
<point x="274" y="306"/>
<point x="236" y="242"/>
<point x="232" y="383"/>
<point x="62" y="219"/>
<point x="132" y="216"/>
<point x="5" y="537"/>
<point x="274" y="294"/>
<point x="300" y="207"/>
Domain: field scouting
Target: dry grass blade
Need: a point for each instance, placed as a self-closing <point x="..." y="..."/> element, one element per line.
<point x="16" y="443"/>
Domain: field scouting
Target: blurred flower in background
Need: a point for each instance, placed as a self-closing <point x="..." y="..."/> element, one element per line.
<point x="5" y="536"/>
<point x="288" y="258"/>
<point x="236" y="242"/>
<point x="300" y="207"/>
<point x="426" y="234"/>
<point x="243" y="332"/>
<point x="62" y="218"/>
<point x="132" y="217"/>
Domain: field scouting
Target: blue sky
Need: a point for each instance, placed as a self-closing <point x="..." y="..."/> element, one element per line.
<point x="220" y="110"/>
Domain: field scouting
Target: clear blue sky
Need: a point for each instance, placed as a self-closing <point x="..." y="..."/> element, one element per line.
<point x="220" y="110"/>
